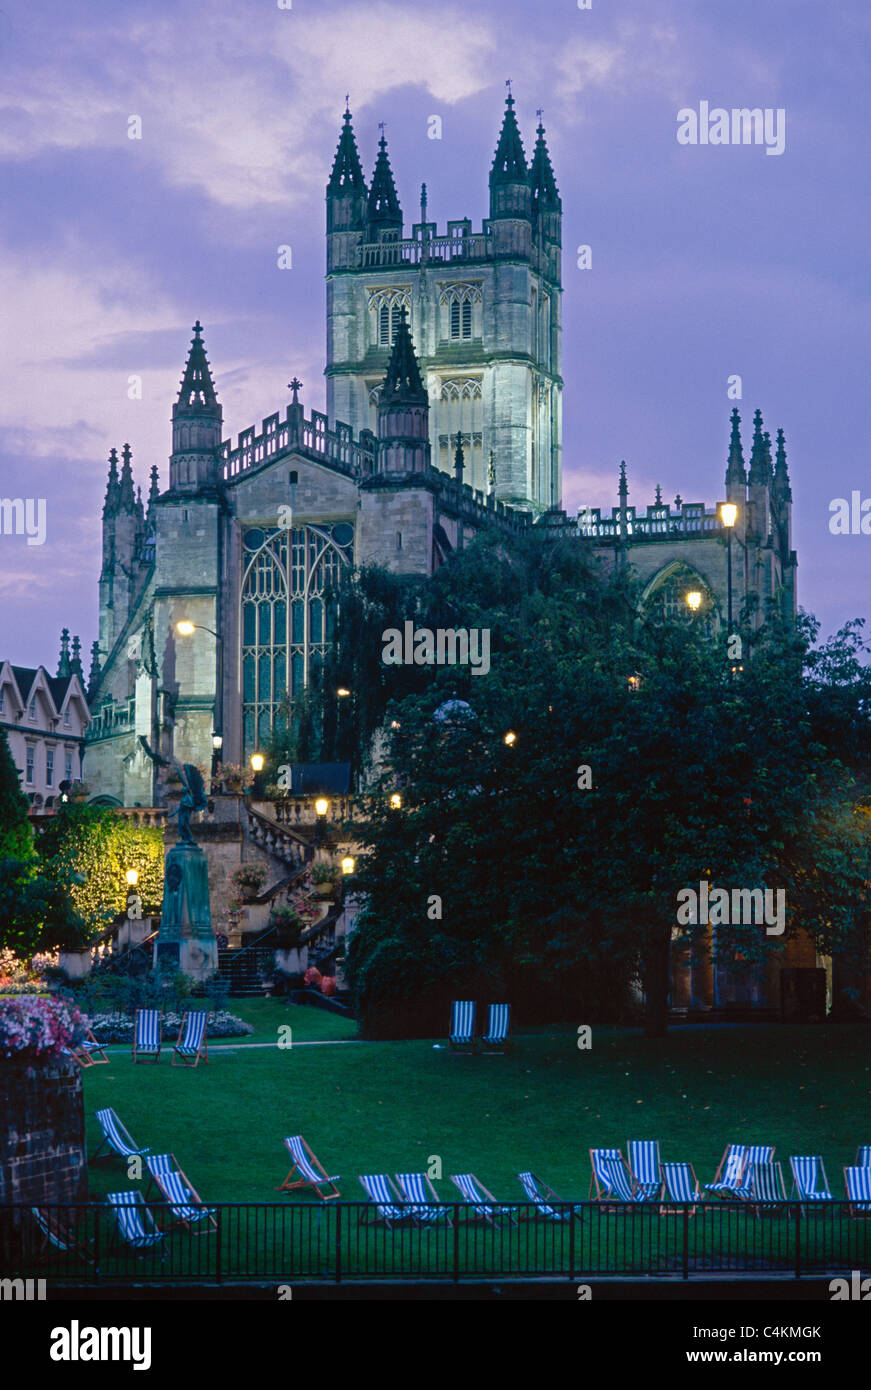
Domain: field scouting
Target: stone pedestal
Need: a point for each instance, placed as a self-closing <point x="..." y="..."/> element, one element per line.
<point x="186" y="940"/>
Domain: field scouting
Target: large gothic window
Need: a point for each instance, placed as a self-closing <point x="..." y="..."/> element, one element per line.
<point x="460" y="411"/>
<point x="666" y="597"/>
<point x="385" y="308"/>
<point x="286" y="621"/>
<point x="461" y="308"/>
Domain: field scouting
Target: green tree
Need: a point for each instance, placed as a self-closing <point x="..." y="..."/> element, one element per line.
<point x="90" y="848"/>
<point x="16" y="838"/>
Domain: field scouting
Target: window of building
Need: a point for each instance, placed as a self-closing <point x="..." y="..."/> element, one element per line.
<point x="461" y="312"/>
<point x="386" y="310"/>
<point x="49" y="767"/>
<point x="2" y="701"/>
<point x="29" y="773"/>
<point x="31" y="710"/>
<point x="388" y="323"/>
<point x="398" y="540"/>
<point x="68" y="766"/>
<point x="67" y="717"/>
<point x="294" y="477"/>
<point x="286" y="618"/>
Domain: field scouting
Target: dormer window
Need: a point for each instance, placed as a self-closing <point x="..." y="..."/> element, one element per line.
<point x="2" y="701"/>
<point x="31" y="710"/>
<point x="67" y="717"/>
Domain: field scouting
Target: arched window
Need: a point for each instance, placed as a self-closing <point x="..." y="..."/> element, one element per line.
<point x="460" y="411"/>
<point x="285" y="621"/>
<point x="385" y="309"/>
<point x="665" y="599"/>
<point x="461" y="312"/>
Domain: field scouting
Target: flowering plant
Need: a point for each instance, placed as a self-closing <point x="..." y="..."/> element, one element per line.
<point x="312" y="976"/>
<point x="36" y="1026"/>
<point x="328" y="985"/>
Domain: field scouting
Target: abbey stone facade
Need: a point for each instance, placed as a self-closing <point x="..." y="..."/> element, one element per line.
<point x="443" y="417"/>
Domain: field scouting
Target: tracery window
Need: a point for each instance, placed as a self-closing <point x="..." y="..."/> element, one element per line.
<point x="286" y="622"/>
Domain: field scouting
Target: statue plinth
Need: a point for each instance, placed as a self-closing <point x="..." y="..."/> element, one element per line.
<point x="186" y="938"/>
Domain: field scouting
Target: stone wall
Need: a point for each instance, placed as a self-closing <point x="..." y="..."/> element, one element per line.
<point x="42" y="1140"/>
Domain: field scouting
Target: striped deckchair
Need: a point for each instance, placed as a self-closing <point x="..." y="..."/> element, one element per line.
<point x="858" y="1185"/>
<point x="644" y="1166"/>
<point x="418" y="1193"/>
<point x="542" y="1197"/>
<point x="496" y="1037"/>
<point x="863" y="1156"/>
<point x="89" y="1052"/>
<point x="612" y="1180"/>
<point x="809" y="1181"/>
<point x="191" y="1044"/>
<point x="185" y="1203"/>
<point x="481" y="1205"/>
<point x="463" y="1023"/>
<point x="384" y="1198"/>
<point x="681" y="1187"/>
<point x="136" y="1225"/>
<point x="730" y="1173"/>
<point x="146" y="1036"/>
<point x="767" y="1193"/>
<point x="116" y="1136"/>
<point x="59" y="1231"/>
<point x="761" y="1154"/>
<point x="309" y="1170"/>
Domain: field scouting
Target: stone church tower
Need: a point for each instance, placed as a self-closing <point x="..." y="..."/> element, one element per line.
<point x="484" y="311"/>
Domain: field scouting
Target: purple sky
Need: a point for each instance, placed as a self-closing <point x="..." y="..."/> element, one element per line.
<point x="707" y="260"/>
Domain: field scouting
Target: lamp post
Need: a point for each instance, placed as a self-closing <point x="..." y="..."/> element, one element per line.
<point x="257" y="761"/>
<point x="728" y="516"/>
<point x="185" y="628"/>
<point x="322" y="806"/>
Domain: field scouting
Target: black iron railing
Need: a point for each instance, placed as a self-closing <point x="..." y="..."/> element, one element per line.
<point x="289" y="1241"/>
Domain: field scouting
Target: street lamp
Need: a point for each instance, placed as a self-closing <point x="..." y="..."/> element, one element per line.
<point x="510" y="738"/>
<point x="185" y="628"/>
<point x="396" y="802"/>
<point x="257" y="761"/>
<point x="728" y="516"/>
<point x="132" y="877"/>
<point x="342" y="692"/>
<point x="348" y="864"/>
<point x="694" y="600"/>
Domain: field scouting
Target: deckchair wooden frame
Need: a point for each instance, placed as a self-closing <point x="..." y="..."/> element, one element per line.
<point x="502" y="1211"/>
<point x="94" y="1056"/>
<point x="202" y="1052"/>
<point x="396" y="1200"/>
<point x="795" y="1191"/>
<point x="59" y="1234"/>
<point x="678" y="1210"/>
<point x="203" y="1227"/>
<point x="148" y="1054"/>
<point x="302" y="1181"/>
<point x="854" y="1203"/>
<point x="597" y="1192"/>
<point x="436" y="1202"/>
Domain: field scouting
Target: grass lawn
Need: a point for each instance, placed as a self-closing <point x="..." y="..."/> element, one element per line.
<point x="368" y="1107"/>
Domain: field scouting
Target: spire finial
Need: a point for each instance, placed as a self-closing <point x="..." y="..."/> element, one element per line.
<point x="63" y="665"/>
<point x="658" y="501"/>
<point x="509" y="100"/>
<point x="295" y="386"/>
<point x="198" y="328"/>
<point x="459" y="457"/>
<point x="348" y="105"/>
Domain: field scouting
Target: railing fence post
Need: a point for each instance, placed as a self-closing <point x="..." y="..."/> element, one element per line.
<point x="686" y="1242"/>
<point x="571" y="1244"/>
<point x="219" y="1235"/>
<point x="798" y="1240"/>
<point x="456" y="1243"/>
<point x="338" y="1211"/>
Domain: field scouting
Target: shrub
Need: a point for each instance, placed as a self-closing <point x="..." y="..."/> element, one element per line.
<point x="39" y="1027"/>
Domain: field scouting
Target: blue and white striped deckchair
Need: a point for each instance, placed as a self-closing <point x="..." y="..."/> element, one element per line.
<point x="863" y="1156"/>
<point x="543" y="1196"/>
<point x="116" y="1136"/>
<point x="135" y="1222"/>
<point x="185" y="1202"/>
<point x="60" y="1228"/>
<point x="644" y="1166"/>
<point x="496" y="1038"/>
<point x="858" y="1184"/>
<point x="481" y="1205"/>
<point x="760" y="1154"/>
<point x="730" y="1173"/>
<point x="311" y="1172"/>
<point x="191" y="1045"/>
<point x="809" y="1180"/>
<point x="146" y="1035"/>
<point x="611" y="1178"/>
<point x="384" y="1198"/>
<point x="767" y="1193"/>
<point x="680" y="1186"/>
<point x="463" y="1023"/>
<point x="89" y="1052"/>
<point x="419" y="1194"/>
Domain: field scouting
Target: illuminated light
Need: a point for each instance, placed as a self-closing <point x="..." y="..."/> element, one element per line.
<point x="634" y="682"/>
<point x="132" y="877"/>
<point x="217" y="742"/>
<point x="257" y="761"/>
<point x="322" y="806"/>
<point x="342" y="692"/>
<point x="728" y="513"/>
<point x="348" y="864"/>
<point x="186" y="627"/>
<point x="694" y="600"/>
<point x="510" y="738"/>
<point x="396" y="801"/>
